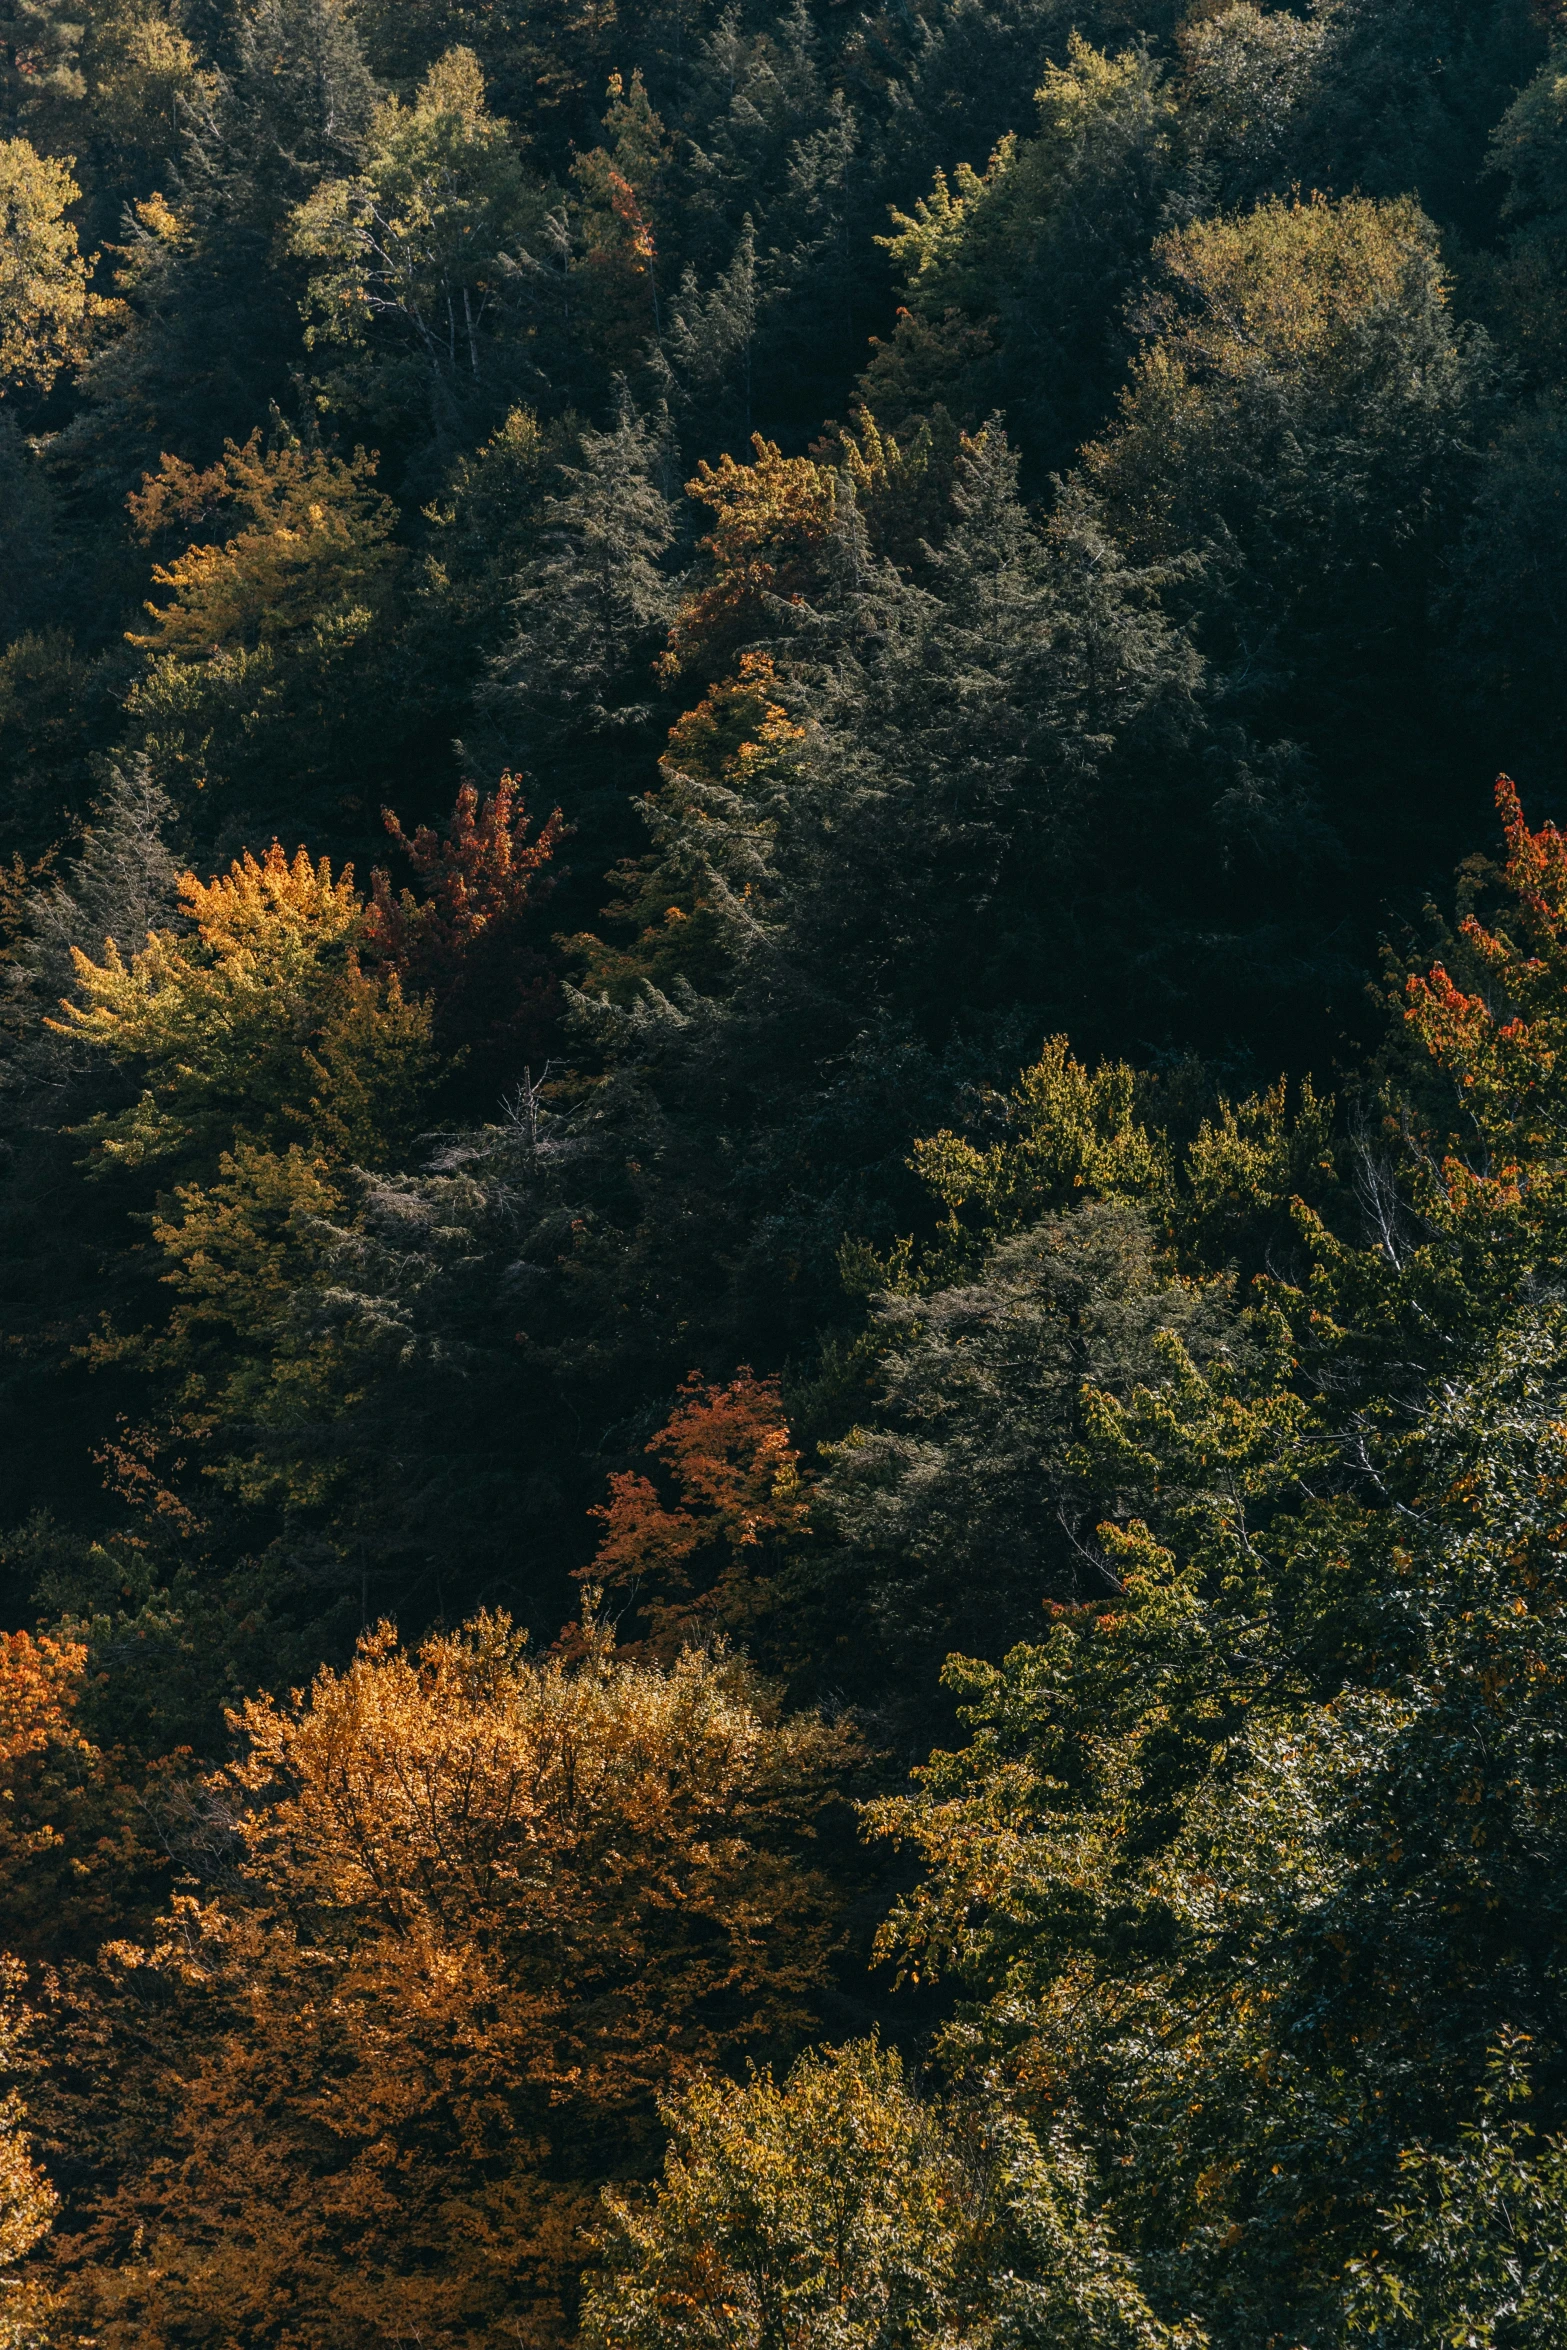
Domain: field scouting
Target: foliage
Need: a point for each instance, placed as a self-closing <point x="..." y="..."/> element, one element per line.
<point x="928" y="587"/>
<point x="1012" y="277"/>
<point x="466" y="944"/>
<point x="739" y="1489"/>
<point x="313" y="1046"/>
<point x="45" y="305"/>
<point x="837" y="2207"/>
<point x="27" y="2202"/>
<point x="261" y="636"/>
<point x="827" y="2208"/>
<point x="1480" y="2228"/>
<point x="317" y="532"/>
<point x="416" y="245"/>
<point x="772" y="521"/>
<point x="1190" y="1862"/>
<point x="506" y="1901"/>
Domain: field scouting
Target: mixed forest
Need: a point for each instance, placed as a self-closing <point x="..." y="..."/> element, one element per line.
<point x="783" y="1174"/>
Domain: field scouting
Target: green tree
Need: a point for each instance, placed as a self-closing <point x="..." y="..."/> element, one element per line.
<point x="38" y="64"/>
<point x="1304" y="417"/>
<point x="831" y="2207"/>
<point x="210" y="329"/>
<point x="1245" y="1857"/>
<point x="1474" y="2249"/>
<point x="838" y="2207"/>
<point x="413" y="251"/>
<point x="570" y="685"/>
<point x="1013" y="279"/>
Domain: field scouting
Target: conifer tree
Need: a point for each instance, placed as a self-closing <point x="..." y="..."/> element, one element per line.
<point x="712" y="344"/>
<point x="40" y="41"/>
<point x="570" y="694"/>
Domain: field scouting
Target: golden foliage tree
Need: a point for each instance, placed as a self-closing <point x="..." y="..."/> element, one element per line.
<point x="772" y="522"/>
<point x="27" y="2201"/>
<point x="256" y="1025"/>
<point x="316" y="535"/>
<point x="484" y="1908"/>
<point x="45" y="305"/>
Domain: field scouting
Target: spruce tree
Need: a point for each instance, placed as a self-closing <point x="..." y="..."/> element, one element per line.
<point x="570" y="696"/>
<point x="39" y="74"/>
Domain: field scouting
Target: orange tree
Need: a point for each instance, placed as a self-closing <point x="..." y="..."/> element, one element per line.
<point x="739" y="1501"/>
<point x="479" y="1909"/>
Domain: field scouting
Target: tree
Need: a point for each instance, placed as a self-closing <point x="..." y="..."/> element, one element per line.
<point x="414" y="246"/>
<point x="622" y="199"/>
<point x="772" y="526"/>
<point x="38" y="63"/>
<point x="1303" y="417"/>
<point x="484" y="1908"/>
<point x="838" y="2207"/>
<point x="695" y="904"/>
<point x="209" y="329"/>
<point x="830" y="2207"/>
<point x="570" y="683"/>
<point x="317" y="537"/>
<point x="27" y="2201"/>
<point x="121" y="884"/>
<point x="45" y="306"/>
<point x="468" y="943"/>
<point x="275" y="634"/>
<point x="740" y="1497"/>
<point x="958" y="1496"/>
<point x="1013" y="278"/>
<point x="1474" y="2244"/>
<point x="146" y="81"/>
<point x="1267" y="334"/>
<point x="1197" y="1859"/>
<point x="256" y="1024"/>
<point x="1248" y="77"/>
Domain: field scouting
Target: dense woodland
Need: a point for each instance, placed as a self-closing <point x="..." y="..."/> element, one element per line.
<point x="783" y="1174"/>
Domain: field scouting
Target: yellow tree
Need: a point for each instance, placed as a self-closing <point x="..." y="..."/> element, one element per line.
<point x="27" y="2201"/>
<point x="256" y="1025"/>
<point x="772" y="524"/>
<point x="316" y="536"/>
<point x="278" y="561"/>
<point x="45" y="306"/>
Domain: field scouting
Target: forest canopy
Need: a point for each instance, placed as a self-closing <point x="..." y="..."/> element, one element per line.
<point x="783" y="1246"/>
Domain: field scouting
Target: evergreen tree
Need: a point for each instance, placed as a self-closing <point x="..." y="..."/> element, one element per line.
<point x="571" y="695"/>
<point x="39" y="75"/>
<point x="213" y="335"/>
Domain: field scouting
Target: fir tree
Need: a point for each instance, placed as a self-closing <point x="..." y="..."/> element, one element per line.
<point x="569" y="695"/>
<point x="40" y="41"/>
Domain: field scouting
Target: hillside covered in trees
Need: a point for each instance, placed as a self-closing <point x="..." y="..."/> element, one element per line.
<point x="783" y="1175"/>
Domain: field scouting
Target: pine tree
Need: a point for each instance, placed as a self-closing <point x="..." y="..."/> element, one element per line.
<point x="568" y="697"/>
<point x="40" y="41"/>
<point x="295" y="104"/>
<point x="120" y="886"/>
<point x="711" y="347"/>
